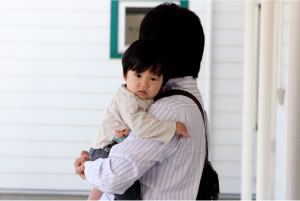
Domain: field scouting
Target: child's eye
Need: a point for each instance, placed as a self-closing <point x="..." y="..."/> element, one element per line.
<point x="154" y="79"/>
<point x="138" y="75"/>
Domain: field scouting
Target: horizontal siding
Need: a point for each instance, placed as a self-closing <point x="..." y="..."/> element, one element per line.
<point x="59" y="117"/>
<point x="53" y="17"/>
<point x="227" y="104"/>
<point x="228" y="20"/>
<point x="19" y="180"/>
<point x="228" y="71"/>
<point x="223" y="136"/>
<point x="56" y="5"/>
<point x="55" y="36"/>
<point x="198" y="7"/>
<point x="61" y="68"/>
<point x="46" y="164"/>
<point x="229" y="6"/>
<point x="227" y="120"/>
<point x="59" y="84"/>
<point x="62" y="101"/>
<point x="229" y="172"/>
<point x="42" y="149"/>
<point x="228" y="37"/>
<point x="56" y="80"/>
<point x="226" y="101"/>
<point x="227" y="54"/>
<point x="224" y="169"/>
<point x="47" y="133"/>
<point x="230" y="185"/>
<point x="225" y="153"/>
<point x="53" y="52"/>
<point x="227" y="87"/>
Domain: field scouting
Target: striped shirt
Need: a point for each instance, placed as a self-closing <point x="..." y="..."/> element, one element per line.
<point x="166" y="171"/>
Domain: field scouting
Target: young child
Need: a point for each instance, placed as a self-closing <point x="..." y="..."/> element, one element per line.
<point x="143" y="74"/>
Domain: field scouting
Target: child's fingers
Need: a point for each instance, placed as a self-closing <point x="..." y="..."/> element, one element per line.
<point x="185" y="134"/>
<point x="119" y="134"/>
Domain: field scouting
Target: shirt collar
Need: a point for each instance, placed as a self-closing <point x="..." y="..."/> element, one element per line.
<point x="187" y="82"/>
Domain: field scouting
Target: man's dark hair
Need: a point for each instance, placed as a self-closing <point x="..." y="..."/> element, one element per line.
<point x="179" y="33"/>
<point x="141" y="56"/>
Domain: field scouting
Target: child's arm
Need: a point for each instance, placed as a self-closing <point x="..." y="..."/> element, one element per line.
<point x="95" y="194"/>
<point x="145" y="125"/>
<point x="180" y="130"/>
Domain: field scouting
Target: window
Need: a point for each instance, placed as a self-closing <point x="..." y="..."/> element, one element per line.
<point x="126" y="17"/>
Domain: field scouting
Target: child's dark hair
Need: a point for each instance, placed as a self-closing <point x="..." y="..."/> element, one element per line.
<point x="141" y="56"/>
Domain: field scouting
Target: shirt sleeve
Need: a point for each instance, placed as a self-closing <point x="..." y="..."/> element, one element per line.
<point x="145" y="125"/>
<point x="111" y="123"/>
<point x="127" y="162"/>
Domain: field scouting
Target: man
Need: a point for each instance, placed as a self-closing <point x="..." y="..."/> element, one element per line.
<point x="166" y="171"/>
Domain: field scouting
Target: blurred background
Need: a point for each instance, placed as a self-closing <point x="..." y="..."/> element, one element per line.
<point x="60" y="64"/>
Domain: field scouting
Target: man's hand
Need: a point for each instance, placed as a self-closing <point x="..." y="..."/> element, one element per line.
<point x="79" y="163"/>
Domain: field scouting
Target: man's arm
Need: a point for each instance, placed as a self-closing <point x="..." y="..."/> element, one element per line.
<point x="127" y="162"/>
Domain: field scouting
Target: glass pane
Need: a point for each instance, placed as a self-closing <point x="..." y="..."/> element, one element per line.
<point x="134" y="17"/>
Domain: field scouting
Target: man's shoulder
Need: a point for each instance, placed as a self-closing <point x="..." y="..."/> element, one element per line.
<point x="173" y="102"/>
<point x="167" y="108"/>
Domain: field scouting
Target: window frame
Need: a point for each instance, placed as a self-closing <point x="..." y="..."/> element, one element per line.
<point x="118" y="7"/>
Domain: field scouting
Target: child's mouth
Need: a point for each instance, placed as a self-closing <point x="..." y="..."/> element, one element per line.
<point x="142" y="92"/>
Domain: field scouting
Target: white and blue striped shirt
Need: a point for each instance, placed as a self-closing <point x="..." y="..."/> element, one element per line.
<point x="166" y="171"/>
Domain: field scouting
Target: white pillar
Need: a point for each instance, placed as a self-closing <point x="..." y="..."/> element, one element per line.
<point x="293" y="105"/>
<point x="266" y="105"/>
<point x="249" y="98"/>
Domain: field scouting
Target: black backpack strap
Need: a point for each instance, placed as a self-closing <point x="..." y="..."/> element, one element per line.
<point x="191" y="96"/>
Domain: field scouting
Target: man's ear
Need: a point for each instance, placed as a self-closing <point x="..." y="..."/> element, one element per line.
<point x="162" y="89"/>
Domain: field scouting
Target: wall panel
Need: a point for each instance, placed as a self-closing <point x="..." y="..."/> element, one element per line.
<point x="56" y="79"/>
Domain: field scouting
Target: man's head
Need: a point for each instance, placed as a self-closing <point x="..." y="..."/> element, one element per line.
<point x="179" y="33"/>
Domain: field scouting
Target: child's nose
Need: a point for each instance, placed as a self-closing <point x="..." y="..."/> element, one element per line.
<point x="144" y="83"/>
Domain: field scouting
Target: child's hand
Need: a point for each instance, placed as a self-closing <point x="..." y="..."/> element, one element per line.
<point x="121" y="133"/>
<point x="181" y="129"/>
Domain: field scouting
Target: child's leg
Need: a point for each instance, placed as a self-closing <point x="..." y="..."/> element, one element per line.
<point x="95" y="194"/>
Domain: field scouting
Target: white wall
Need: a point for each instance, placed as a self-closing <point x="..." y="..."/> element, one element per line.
<point x="56" y="79"/>
<point x="227" y="75"/>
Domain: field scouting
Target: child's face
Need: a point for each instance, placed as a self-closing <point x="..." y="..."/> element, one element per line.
<point x="145" y="85"/>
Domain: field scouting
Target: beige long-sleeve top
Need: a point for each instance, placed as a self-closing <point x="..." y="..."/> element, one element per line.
<point x="127" y="111"/>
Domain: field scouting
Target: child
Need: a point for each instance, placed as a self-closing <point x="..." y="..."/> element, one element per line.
<point x="143" y="74"/>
